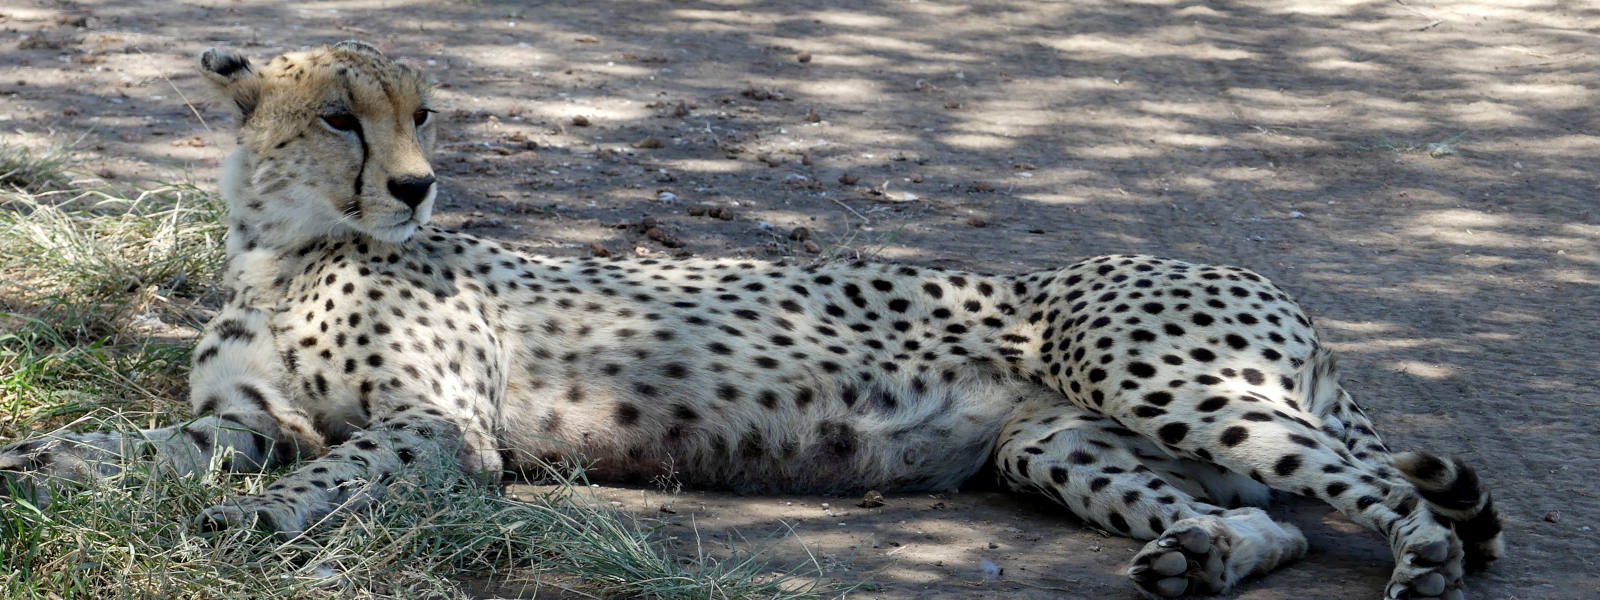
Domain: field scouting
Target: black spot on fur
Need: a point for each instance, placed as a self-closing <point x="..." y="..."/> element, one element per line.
<point x="1118" y="521"/>
<point x="837" y="440"/>
<point x="1287" y="465"/>
<point x="231" y="329"/>
<point x="1058" y="475"/>
<point x="1172" y="433"/>
<point x="626" y="414"/>
<point x="1234" y="436"/>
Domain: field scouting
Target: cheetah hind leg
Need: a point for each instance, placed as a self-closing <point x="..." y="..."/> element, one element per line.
<point x="1208" y="554"/>
<point x="1122" y="482"/>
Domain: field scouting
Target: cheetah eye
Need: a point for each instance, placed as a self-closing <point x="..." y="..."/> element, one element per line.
<point x="422" y="116"/>
<point x="342" y="121"/>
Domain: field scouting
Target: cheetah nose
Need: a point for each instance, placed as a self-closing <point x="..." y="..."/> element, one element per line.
<point x="411" y="190"/>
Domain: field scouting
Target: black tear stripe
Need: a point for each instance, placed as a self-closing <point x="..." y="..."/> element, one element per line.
<point x="354" y="206"/>
<point x="361" y="135"/>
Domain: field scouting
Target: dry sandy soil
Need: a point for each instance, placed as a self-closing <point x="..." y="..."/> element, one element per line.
<point x="1459" y="280"/>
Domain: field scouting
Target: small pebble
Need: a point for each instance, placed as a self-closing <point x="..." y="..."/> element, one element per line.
<point x="849" y="179"/>
<point x="650" y="143"/>
<point x="698" y="210"/>
<point x="811" y="247"/>
<point x="580" y="121"/>
<point x="800" y="234"/>
<point x="803" y="56"/>
<point x="599" y="250"/>
<point x="977" y="221"/>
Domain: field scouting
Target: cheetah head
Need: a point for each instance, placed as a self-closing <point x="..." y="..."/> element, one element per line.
<point x="332" y="141"/>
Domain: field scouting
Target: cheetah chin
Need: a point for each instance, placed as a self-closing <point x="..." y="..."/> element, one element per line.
<point x="1154" y="398"/>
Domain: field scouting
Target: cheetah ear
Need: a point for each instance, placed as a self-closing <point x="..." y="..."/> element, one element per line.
<point x="358" y="47"/>
<point x="234" y="77"/>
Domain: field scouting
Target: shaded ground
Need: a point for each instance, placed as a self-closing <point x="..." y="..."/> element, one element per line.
<point x="1457" y="279"/>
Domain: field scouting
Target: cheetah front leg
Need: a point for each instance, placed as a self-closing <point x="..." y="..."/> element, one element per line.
<point x="349" y="478"/>
<point x="405" y="442"/>
<point x="244" y="424"/>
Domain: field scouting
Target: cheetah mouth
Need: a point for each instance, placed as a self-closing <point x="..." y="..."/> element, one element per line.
<point x="402" y="220"/>
<point x="406" y="228"/>
<point x="397" y="231"/>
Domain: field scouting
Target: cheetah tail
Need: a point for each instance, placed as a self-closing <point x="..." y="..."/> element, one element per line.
<point x="1455" y="495"/>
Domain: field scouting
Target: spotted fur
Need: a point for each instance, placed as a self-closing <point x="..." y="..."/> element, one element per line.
<point x="1154" y="398"/>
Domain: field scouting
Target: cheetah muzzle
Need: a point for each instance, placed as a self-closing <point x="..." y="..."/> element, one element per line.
<point x="1154" y="398"/>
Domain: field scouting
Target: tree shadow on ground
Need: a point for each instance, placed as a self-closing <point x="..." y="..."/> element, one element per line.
<point x="1418" y="176"/>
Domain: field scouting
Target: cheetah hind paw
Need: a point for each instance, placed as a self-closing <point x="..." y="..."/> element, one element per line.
<point x="1206" y="555"/>
<point x="1431" y="570"/>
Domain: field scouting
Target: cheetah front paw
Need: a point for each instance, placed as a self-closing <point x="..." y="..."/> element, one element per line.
<point x="252" y="512"/>
<point x="1427" y="570"/>
<point x="21" y="474"/>
<point x="38" y="469"/>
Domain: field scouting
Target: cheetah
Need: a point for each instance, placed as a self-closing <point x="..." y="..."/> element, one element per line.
<point x="1153" y="398"/>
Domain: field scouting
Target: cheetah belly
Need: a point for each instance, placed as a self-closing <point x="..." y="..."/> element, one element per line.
<point x="813" y="437"/>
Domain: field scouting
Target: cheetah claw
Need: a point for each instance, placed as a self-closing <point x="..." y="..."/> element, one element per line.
<point x="1426" y="571"/>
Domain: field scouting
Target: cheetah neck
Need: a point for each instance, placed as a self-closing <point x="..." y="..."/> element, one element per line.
<point x="265" y="244"/>
<point x="266" y="214"/>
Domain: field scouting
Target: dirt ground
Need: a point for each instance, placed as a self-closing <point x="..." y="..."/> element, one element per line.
<point x="1420" y="174"/>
